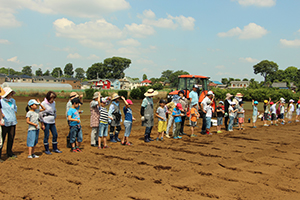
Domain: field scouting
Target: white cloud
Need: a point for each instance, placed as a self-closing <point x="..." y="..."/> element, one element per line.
<point x="251" y="31"/>
<point x="140" y="30"/>
<point x="220" y="67"/>
<point x="1" y="59"/>
<point x="144" y="61"/>
<point x="4" y="41"/>
<point x="248" y="59"/>
<point x="129" y="42"/>
<point x="74" y="56"/>
<point x="161" y="23"/>
<point x="93" y="57"/>
<point x="7" y="17"/>
<point x="259" y="3"/>
<point x="96" y="44"/>
<point x="37" y="66"/>
<point x="149" y="14"/>
<point x="13" y="59"/>
<point x="187" y="23"/>
<point x="290" y="43"/>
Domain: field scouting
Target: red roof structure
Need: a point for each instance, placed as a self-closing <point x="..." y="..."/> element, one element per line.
<point x="146" y="81"/>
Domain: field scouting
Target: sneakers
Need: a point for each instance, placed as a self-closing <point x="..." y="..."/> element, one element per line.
<point x="106" y="147"/>
<point x="176" y="138"/>
<point x="297" y="120"/>
<point x="77" y="149"/>
<point x="157" y="139"/>
<point x="48" y="153"/>
<point x="161" y="139"/>
<point x="254" y="127"/>
<point x="123" y="143"/>
<point x="99" y="147"/>
<point x="35" y="156"/>
<point x="179" y="137"/>
<point x="266" y="125"/>
<point x="30" y="156"/>
<point x="232" y="130"/>
<point x="193" y="135"/>
<point x="73" y="150"/>
<point x="209" y="133"/>
<point x="168" y="136"/>
<point x="219" y="131"/>
<point x="129" y="143"/>
<point x="282" y="123"/>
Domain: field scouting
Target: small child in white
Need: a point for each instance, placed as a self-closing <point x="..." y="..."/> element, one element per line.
<point x="241" y="115"/>
<point x="290" y="110"/>
<point x="32" y="118"/>
<point x="209" y="110"/>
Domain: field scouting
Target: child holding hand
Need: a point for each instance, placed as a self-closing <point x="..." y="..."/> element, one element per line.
<point x="127" y="122"/>
<point x="32" y="119"/>
<point x="194" y="116"/>
<point x="161" y="113"/>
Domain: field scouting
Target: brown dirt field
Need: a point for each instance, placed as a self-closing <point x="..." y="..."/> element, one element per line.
<point x="262" y="163"/>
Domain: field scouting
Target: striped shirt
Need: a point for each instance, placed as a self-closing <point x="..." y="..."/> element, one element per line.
<point x="103" y="115"/>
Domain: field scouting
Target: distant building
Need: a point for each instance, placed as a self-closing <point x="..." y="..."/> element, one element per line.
<point x="115" y="84"/>
<point x="85" y="85"/>
<point x="101" y="84"/>
<point x="283" y="85"/>
<point x="76" y="84"/>
<point x="128" y="83"/>
<point x="3" y="78"/>
<point x="239" y="84"/>
<point x="146" y="82"/>
<point x="217" y="84"/>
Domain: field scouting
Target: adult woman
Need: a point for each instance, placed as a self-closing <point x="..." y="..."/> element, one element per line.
<point x="226" y="106"/>
<point x="48" y="122"/>
<point x="9" y="109"/>
<point x="184" y="103"/>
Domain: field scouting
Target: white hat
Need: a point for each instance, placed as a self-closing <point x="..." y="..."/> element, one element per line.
<point x="33" y="101"/>
<point x="195" y="86"/>
<point x="232" y="103"/>
<point x="210" y="93"/>
<point x="150" y="93"/>
<point x="7" y="90"/>
<point x="291" y="100"/>
<point x="114" y="96"/>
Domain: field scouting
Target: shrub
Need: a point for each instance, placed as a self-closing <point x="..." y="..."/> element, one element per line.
<point x="135" y="93"/>
<point x="158" y="86"/>
<point x="104" y="93"/>
<point x="89" y="93"/>
<point x="123" y="93"/>
<point x="143" y="90"/>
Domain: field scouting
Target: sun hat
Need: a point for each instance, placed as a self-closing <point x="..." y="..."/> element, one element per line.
<point x="73" y="95"/>
<point x="266" y="101"/>
<point x="210" y="93"/>
<point x="229" y="95"/>
<point x="271" y="103"/>
<point x="32" y="101"/>
<point x="221" y="102"/>
<point x="7" y="91"/>
<point x="232" y="103"/>
<point x="150" y="93"/>
<point x="2" y="92"/>
<point x="179" y="106"/>
<point x="129" y="101"/>
<point x="282" y="99"/>
<point x="255" y="102"/>
<point x="76" y="100"/>
<point x="162" y="101"/>
<point x="291" y="100"/>
<point x="239" y="95"/>
<point x="195" y="86"/>
<point x="96" y="94"/>
<point x="114" y="96"/>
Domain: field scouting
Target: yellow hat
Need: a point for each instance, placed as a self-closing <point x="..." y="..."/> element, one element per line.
<point x="266" y="101"/>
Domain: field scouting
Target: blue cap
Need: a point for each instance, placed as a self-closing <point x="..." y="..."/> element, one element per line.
<point x="32" y="101"/>
<point x="255" y="102"/>
<point x="221" y="102"/>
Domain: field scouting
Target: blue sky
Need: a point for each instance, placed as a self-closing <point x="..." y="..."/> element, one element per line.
<point x="216" y="38"/>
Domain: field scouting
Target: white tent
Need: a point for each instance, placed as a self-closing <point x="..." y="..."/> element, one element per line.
<point x="38" y="86"/>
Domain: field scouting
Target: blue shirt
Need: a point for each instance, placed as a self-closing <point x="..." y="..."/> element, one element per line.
<point x="254" y="111"/>
<point x="176" y="112"/>
<point x="74" y="115"/>
<point x="128" y="114"/>
<point x="9" y="109"/>
<point x="194" y="96"/>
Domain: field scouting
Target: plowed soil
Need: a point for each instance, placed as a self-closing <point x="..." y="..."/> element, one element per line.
<point x="261" y="163"/>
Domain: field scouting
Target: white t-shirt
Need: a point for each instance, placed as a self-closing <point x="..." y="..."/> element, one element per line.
<point x="231" y="114"/>
<point x="292" y="108"/>
<point x="204" y="103"/>
<point x="281" y="109"/>
<point x="208" y="110"/>
<point x="273" y="109"/>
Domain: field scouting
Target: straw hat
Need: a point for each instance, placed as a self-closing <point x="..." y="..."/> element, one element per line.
<point x="2" y="92"/>
<point x="114" y="96"/>
<point x="228" y="95"/>
<point x="239" y="95"/>
<point x="150" y="93"/>
<point x="73" y="95"/>
<point x="7" y="90"/>
<point x="96" y="94"/>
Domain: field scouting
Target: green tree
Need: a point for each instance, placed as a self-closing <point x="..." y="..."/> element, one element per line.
<point x="68" y="70"/>
<point x="265" y="68"/>
<point x="291" y="74"/>
<point x="245" y="79"/>
<point x="225" y="81"/>
<point x="166" y="74"/>
<point x="79" y="73"/>
<point x="145" y="77"/>
<point x="57" y="72"/>
<point x="27" y="71"/>
<point x="39" y="72"/>
<point x="9" y="71"/>
<point x="47" y="73"/>
<point x="174" y="77"/>
<point x="237" y="79"/>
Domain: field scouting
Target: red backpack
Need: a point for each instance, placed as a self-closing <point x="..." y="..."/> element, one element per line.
<point x="278" y="110"/>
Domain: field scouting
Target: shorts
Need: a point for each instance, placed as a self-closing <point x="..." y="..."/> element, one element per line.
<point x="103" y="130"/>
<point x="219" y="121"/>
<point x="208" y="122"/>
<point x="241" y="120"/>
<point x="32" y="137"/>
<point x="193" y="124"/>
<point x="162" y="126"/>
<point x="266" y="116"/>
<point x="128" y="126"/>
<point x="298" y="111"/>
<point x="254" y="118"/>
<point x="75" y="132"/>
<point x="281" y="116"/>
<point x="273" y="116"/>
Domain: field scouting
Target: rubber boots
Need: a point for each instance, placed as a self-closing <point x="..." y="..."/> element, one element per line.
<point x="47" y="149"/>
<point x="112" y="138"/>
<point x="117" y="136"/>
<point x="147" y="138"/>
<point x="55" y="149"/>
<point x="150" y="139"/>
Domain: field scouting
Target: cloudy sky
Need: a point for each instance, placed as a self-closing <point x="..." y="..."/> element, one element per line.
<point x="216" y="38"/>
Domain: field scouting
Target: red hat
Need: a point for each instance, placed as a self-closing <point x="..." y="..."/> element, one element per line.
<point x="129" y="101"/>
<point x="179" y="106"/>
<point x="298" y="101"/>
<point x="271" y="103"/>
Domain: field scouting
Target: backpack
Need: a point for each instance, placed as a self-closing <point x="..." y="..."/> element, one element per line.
<point x="278" y="110"/>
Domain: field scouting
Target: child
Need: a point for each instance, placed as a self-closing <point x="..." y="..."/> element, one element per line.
<point x="232" y="112"/>
<point x="103" y="125"/>
<point x="273" y="113"/>
<point x="290" y="110"/>
<point x="177" y="118"/>
<point x="220" y="115"/>
<point x="298" y="111"/>
<point x="194" y="116"/>
<point x="281" y="112"/>
<point x="161" y="113"/>
<point x="94" y="121"/>
<point x="32" y="118"/>
<point x="208" y="110"/>
<point x="127" y="122"/>
<point x="266" y="111"/>
<point x="254" y="113"/>
<point x="75" y="127"/>
<point x="241" y="115"/>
